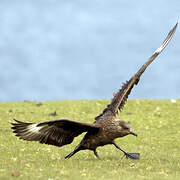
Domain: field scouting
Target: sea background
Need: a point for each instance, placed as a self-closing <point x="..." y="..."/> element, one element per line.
<point x="80" y="49"/>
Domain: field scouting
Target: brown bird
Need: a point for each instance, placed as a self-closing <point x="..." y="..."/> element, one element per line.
<point x="106" y="128"/>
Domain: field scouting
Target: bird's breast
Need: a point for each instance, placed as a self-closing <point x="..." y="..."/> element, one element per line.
<point x="93" y="141"/>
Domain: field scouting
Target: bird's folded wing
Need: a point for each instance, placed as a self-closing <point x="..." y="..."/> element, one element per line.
<point x="121" y="96"/>
<point x="57" y="133"/>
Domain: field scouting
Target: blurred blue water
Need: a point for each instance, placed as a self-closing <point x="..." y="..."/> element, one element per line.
<point x="53" y="50"/>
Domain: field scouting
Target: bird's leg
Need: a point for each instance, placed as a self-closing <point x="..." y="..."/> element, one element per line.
<point x="96" y="154"/>
<point x="78" y="148"/>
<point x="71" y="154"/>
<point x="128" y="155"/>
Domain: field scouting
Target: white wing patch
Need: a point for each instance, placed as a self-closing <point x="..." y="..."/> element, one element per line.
<point x="34" y="128"/>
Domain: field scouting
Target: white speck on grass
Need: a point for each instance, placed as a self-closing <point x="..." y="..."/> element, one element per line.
<point x="14" y="159"/>
<point x="173" y="100"/>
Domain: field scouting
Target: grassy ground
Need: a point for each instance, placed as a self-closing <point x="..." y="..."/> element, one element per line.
<point x="156" y="122"/>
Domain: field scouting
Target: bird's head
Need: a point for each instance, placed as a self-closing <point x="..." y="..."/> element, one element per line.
<point x="125" y="129"/>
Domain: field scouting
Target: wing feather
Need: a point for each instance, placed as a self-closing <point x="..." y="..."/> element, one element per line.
<point x="121" y="96"/>
<point x="57" y="133"/>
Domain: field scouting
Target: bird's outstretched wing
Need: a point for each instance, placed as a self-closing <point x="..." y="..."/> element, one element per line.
<point x="121" y="96"/>
<point x="57" y="133"/>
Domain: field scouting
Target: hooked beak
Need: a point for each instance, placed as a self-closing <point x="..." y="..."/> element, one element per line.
<point x="133" y="133"/>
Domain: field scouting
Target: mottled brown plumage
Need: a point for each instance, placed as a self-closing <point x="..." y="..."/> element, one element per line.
<point x="103" y="131"/>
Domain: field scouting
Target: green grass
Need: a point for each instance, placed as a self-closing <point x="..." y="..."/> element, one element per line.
<point x="157" y="123"/>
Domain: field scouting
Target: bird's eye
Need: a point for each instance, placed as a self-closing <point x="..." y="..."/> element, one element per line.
<point x="126" y="128"/>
